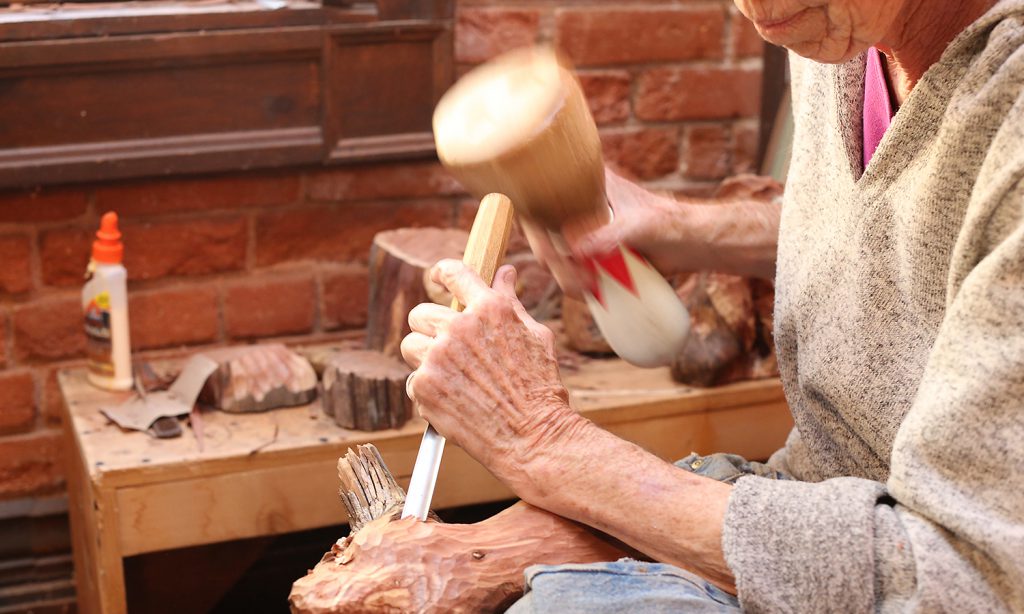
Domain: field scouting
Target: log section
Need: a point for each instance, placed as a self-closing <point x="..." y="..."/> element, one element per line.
<point x="365" y="390"/>
<point x="398" y="260"/>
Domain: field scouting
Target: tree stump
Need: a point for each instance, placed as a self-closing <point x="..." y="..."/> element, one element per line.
<point x="391" y="565"/>
<point x="365" y="390"/>
<point x="398" y="260"/>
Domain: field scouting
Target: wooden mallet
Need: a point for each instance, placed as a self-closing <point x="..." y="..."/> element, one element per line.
<point x="520" y="125"/>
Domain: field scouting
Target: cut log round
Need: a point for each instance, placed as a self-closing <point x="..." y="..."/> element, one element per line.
<point x="398" y="261"/>
<point x="365" y="390"/>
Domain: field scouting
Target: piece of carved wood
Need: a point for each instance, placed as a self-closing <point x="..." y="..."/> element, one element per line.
<point x="398" y="260"/>
<point x="365" y="390"/>
<point x="391" y="565"/>
<point x="257" y="378"/>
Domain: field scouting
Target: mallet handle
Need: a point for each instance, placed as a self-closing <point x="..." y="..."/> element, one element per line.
<point x="484" y="253"/>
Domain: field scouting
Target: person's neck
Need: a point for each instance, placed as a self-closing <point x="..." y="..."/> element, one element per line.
<point x="926" y="29"/>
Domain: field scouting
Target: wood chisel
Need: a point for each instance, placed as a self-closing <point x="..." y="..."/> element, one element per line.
<point x="484" y="252"/>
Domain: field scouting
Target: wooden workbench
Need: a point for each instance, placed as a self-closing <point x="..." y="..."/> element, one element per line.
<point x="271" y="473"/>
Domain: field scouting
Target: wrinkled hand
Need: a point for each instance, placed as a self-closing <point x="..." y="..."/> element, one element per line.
<point x="487" y="378"/>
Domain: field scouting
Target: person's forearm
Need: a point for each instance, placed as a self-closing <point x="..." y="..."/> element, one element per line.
<point x="740" y="238"/>
<point x="673" y="516"/>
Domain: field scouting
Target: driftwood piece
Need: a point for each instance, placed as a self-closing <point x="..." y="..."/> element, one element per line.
<point x="390" y="565"/>
<point x="365" y="390"/>
<point x="730" y="331"/>
<point x="398" y="260"/>
<point x="257" y="378"/>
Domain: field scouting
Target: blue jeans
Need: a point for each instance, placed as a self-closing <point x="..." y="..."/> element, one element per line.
<point x="637" y="586"/>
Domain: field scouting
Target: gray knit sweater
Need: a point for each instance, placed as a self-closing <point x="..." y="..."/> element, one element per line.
<point x="900" y="333"/>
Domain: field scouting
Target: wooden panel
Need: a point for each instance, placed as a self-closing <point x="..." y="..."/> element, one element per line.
<point x="304" y="496"/>
<point x="247" y="93"/>
<point x="82" y="20"/>
<point x="99" y="573"/>
<point x="383" y="83"/>
<point x="608" y="391"/>
<point x="113" y="105"/>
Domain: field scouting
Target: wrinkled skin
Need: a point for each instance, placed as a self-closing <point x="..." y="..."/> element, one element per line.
<point x="493" y="361"/>
<point x="829" y="31"/>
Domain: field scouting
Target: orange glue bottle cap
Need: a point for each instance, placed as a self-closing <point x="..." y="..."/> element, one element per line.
<point x="107" y="248"/>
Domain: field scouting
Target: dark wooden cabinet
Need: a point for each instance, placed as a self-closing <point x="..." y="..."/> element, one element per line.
<point x="127" y="92"/>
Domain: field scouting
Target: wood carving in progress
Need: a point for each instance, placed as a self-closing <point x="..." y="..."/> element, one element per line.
<point x="258" y="378"/>
<point x="392" y="565"/>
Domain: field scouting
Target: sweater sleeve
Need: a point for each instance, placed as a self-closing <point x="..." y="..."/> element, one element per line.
<point x="946" y="532"/>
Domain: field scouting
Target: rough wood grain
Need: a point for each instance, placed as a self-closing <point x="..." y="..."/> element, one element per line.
<point x="257" y="378"/>
<point x="398" y="261"/>
<point x="392" y="565"/>
<point x="365" y="390"/>
<point x="730" y="331"/>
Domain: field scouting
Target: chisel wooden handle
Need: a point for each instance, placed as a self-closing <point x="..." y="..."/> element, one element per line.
<point x="484" y="253"/>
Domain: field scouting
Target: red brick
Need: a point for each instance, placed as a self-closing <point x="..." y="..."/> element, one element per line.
<point x="643" y="154"/>
<point x="345" y="293"/>
<point x="15" y="253"/>
<point x="270" y="307"/>
<point x="193" y="247"/>
<point x="382" y="181"/>
<point x="49" y="329"/>
<point x="744" y="153"/>
<point x="599" y="36"/>
<point x="52" y="402"/>
<point x="31" y="464"/>
<point x="64" y="254"/>
<point x="175" y="316"/>
<point x="342" y="232"/>
<point x="707" y="152"/>
<point x="42" y="205"/>
<point x="671" y="94"/>
<point x="746" y="42"/>
<point x="607" y="95"/>
<point x="17" y="401"/>
<point x="175" y="195"/>
<point x="482" y="33"/>
<point x="3" y="339"/>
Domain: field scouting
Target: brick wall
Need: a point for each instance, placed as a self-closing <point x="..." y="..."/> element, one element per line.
<point x="213" y="260"/>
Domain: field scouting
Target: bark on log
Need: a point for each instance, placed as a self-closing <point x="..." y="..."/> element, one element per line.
<point x="365" y="390"/>
<point x="389" y="565"/>
<point x="398" y="261"/>
<point x="730" y="331"/>
<point x="258" y="378"/>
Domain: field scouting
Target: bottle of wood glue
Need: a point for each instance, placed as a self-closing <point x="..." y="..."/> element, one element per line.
<point x="105" y="303"/>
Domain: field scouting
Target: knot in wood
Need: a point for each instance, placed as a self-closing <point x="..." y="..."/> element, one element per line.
<point x="478" y="555"/>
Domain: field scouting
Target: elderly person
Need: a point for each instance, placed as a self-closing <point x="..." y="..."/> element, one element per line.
<point x="898" y="256"/>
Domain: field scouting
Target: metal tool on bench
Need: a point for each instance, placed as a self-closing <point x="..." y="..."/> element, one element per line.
<point x="484" y="253"/>
<point x="520" y="125"/>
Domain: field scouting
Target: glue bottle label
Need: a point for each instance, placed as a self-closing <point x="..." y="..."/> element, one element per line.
<point x="99" y="349"/>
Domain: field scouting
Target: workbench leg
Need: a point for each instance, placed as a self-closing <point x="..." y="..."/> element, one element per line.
<point x="99" y="567"/>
